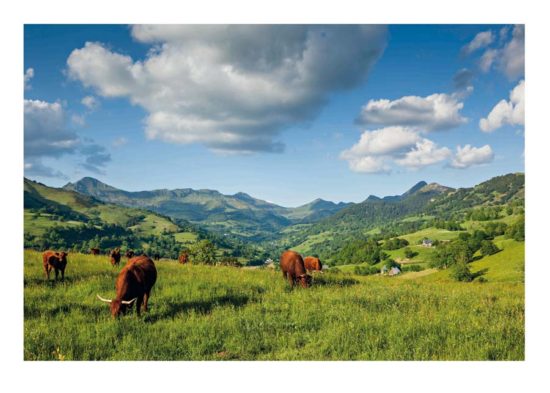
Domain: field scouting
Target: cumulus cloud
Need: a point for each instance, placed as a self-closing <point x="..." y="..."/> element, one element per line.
<point x="510" y="57"/>
<point x="231" y="87"/>
<point x="481" y="40"/>
<point x="510" y="112"/>
<point x="468" y="156"/>
<point x="425" y="153"/>
<point x="513" y="54"/>
<point x="463" y="79"/>
<point x="432" y="113"/>
<point x="382" y="141"/>
<point x="47" y="135"/>
<point x="35" y="167"/>
<point x="377" y="150"/>
<point x="90" y="102"/>
<point x="488" y="59"/>
<point x="29" y="74"/>
<point x="45" y="130"/>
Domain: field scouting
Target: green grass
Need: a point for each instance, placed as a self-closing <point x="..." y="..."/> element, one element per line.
<point x="222" y="313"/>
<point x="185" y="237"/>
<point x="309" y="245"/>
<point x="430" y="233"/>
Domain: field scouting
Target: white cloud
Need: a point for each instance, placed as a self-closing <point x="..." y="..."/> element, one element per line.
<point x="47" y="135"/>
<point x="510" y="58"/>
<point x="368" y="164"/>
<point x="231" y="87"/>
<point x="29" y="74"/>
<point x="510" y="112"/>
<point x="513" y="54"/>
<point x="45" y="131"/>
<point x="383" y="141"/>
<point x="481" y="40"/>
<point x="90" y="102"/>
<point x="425" y="153"/>
<point x="78" y="120"/>
<point x="377" y="149"/>
<point x="468" y="156"/>
<point x="432" y="113"/>
<point x="487" y="60"/>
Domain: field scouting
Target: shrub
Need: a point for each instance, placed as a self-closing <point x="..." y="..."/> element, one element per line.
<point x="488" y="248"/>
<point x="410" y="253"/>
<point x="461" y="272"/>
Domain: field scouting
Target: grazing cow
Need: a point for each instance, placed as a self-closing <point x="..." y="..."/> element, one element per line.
<point x="313" y="263"/>
<point x="156" y="256"/>
<point x="115" y="256"/>
<point x="54" y="260"/>
<point x="133" y="285"/>
<point x="129" y="254"/>
<point x="94" y="251"/>
<point x="183" y="258"/>
<point x="292" y="266"/>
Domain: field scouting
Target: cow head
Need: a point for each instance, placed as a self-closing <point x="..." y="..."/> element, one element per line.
<point x="118" y="306"/>
<point x="304" y="280"/>
<point x="62" y="257"/>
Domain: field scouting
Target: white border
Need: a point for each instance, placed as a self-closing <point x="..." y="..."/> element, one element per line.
<point x="276" y="376"/>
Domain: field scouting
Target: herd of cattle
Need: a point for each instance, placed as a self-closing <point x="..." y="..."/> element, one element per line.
<point x="137" y="277"/>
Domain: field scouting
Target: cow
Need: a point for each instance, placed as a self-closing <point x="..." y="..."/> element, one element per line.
<point x="129" y="254"/>
<point x="115" y="256"/>
<point x="183" y="258"/>
<point x="133" y="285"/>
<point x="313" y="264"/>
<point x="292" y="266"/>
<point x="54" y="260"/>
<point x="156" y="256"/>
<point x="94" y="251"/>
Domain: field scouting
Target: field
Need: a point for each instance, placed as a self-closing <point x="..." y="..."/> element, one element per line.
<point x="223" y="313"/>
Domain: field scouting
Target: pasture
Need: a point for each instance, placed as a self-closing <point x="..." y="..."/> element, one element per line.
<point x="223" y="313"/>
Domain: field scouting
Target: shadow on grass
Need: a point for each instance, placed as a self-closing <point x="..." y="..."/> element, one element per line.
<point x="32" y="311"/>
<point x="52" y="283"/>
<point x="198" y="306"/>
<point x="334" y="280"/>
<point x="479" y="273"/>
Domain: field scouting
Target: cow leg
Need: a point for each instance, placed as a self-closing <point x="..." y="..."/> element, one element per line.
<point x="63" y="274"/>
<point x="145" y="300"/>
<point x="290" y="280"/>
<point x="47" y="271"/>
<point x="138" y="305"/>
<point x="56" y="274"/>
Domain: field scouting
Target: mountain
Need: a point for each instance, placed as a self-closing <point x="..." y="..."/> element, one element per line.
<point x="240" y="214"/>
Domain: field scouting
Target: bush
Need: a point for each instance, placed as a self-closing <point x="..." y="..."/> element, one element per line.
<point x="410" y="253"/>
<point x="461" y="272"/>
<point x="412" y="268"/>
<point x="365" y="270"/>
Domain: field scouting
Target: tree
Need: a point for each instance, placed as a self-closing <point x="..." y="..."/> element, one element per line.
<point x="461" y="272"/>
<point x="488" y="248"/>
<point x="203" y="251"/>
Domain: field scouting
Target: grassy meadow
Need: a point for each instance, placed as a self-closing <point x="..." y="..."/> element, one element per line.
<point x="222" y="313"/>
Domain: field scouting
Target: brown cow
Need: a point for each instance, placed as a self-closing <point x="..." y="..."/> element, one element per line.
<point x="133" y="285"/>
<point x="129" y="254"/>
<point x="54" y="260"/>
<point x="94" y="251"/>
<point x="115" y="256"/>
<point x="313" y="263"/>
<point x="183" y="258"/>
<point x="292" y="266"/>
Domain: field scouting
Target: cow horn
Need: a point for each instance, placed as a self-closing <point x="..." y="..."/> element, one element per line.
<point x="129" y="302"/>
<point x="104" y="300"/>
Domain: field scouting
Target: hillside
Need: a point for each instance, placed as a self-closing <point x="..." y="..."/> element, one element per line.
<point x="238" y="214"/>
<point x="53" y="214"/>
<point x="422" y="207"/>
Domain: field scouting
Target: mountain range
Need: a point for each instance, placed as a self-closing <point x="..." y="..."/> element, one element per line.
<point x="240" y="214"/>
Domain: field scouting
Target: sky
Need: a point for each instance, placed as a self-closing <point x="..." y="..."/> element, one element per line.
<point x="285" y="113"/>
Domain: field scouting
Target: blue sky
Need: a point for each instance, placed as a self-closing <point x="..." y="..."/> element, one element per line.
<point x="285" y="113"/>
